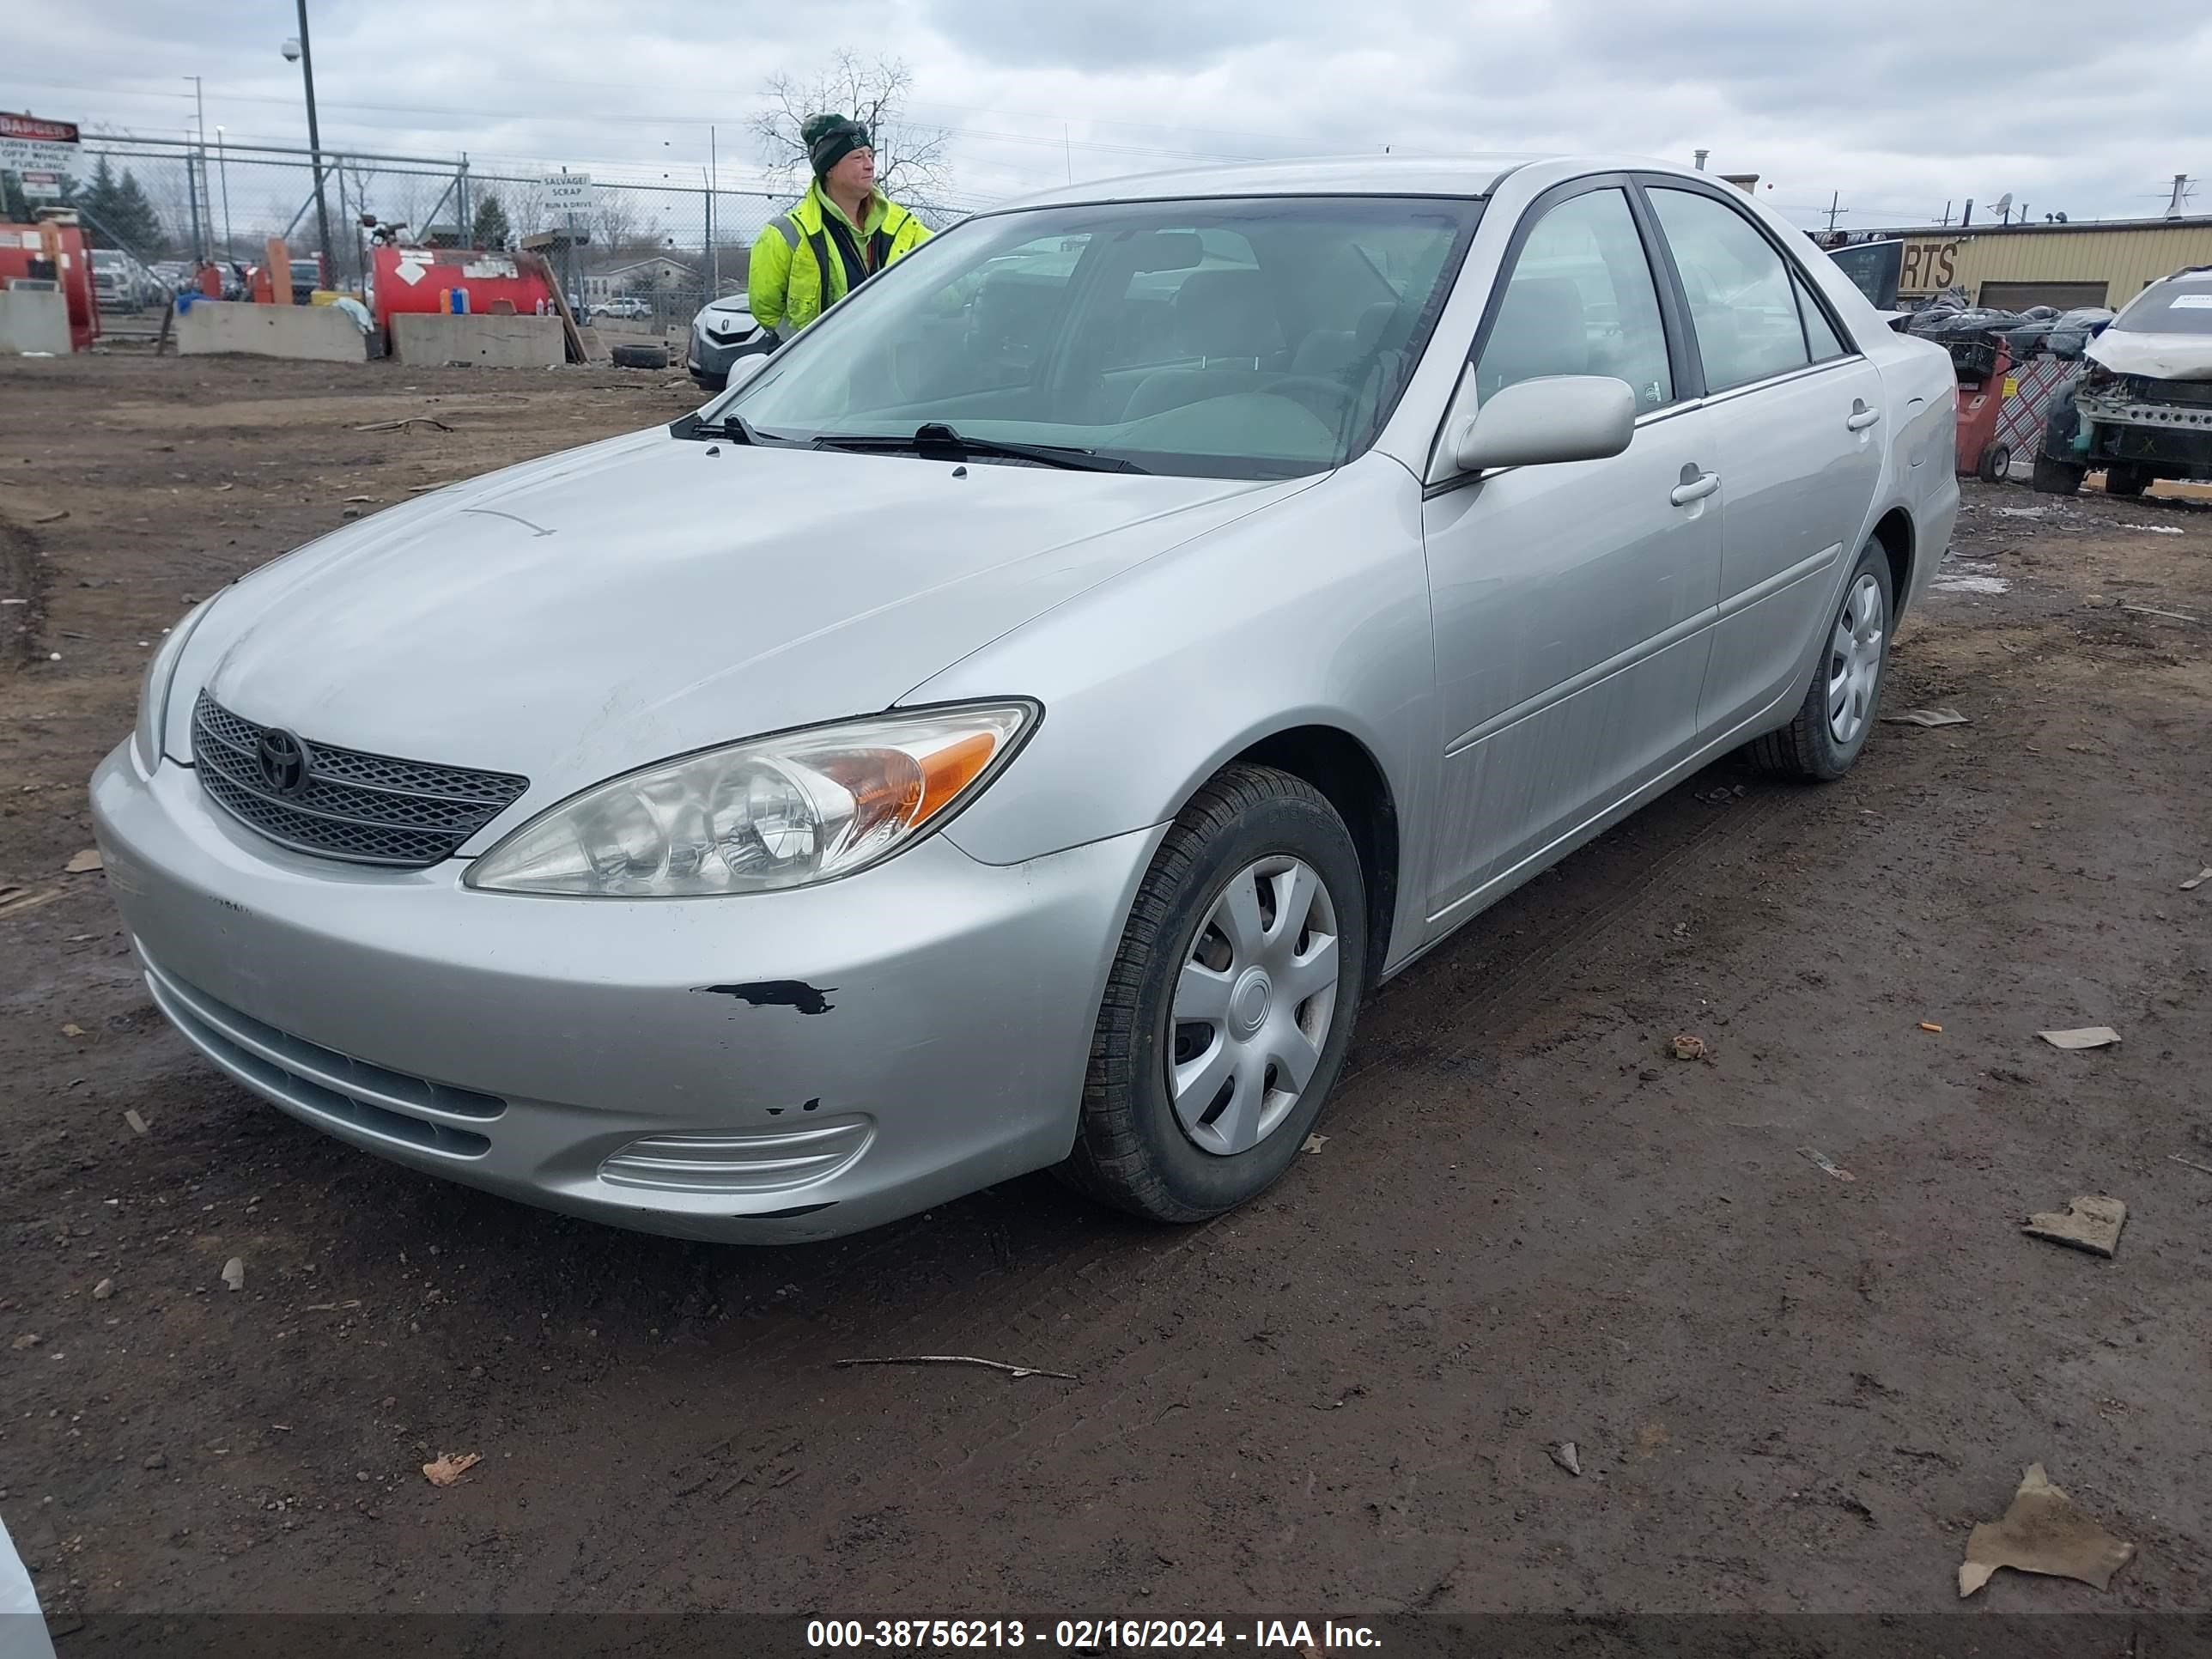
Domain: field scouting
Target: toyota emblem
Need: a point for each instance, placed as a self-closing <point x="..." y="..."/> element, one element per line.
<point x="283" y="761"/>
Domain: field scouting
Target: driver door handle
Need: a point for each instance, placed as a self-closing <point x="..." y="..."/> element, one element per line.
<point x="1861" y="417"/>
<point x="1694" y="489"/>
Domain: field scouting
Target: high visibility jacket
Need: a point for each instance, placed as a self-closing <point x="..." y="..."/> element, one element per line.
<point x="800" y="260"/>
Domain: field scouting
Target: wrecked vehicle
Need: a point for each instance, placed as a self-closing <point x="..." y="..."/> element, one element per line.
<point x="1015" y="724"/>
<point x="2141" y="408"/>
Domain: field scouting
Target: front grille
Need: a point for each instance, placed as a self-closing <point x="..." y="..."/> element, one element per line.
<point x="366" y="809"/>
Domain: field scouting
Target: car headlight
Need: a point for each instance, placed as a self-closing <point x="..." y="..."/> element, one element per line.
<point x="154" y="689"/>
<point x="763" y="815"/>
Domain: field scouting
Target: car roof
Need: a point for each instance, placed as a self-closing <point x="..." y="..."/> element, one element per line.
<point x="1474" y="174"/>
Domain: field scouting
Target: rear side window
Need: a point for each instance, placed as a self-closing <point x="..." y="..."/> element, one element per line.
<point x="1742" y="301"/>
<point x="1581" y="300"/>
<point x="1820" y="335"/>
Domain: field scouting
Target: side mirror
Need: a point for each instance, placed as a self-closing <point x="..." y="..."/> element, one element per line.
<point x="1563" y="417"/>
<point x="745" y="369"/>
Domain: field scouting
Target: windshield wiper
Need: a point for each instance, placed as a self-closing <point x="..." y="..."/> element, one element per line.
<point x="734" y="428"/>
<point x="937" y="439"/>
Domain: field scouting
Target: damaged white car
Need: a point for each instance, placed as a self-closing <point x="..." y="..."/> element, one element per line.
<point x="2142" y="409"/>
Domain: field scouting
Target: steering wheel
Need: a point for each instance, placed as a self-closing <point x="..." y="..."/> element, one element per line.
<point x="1296" y="386"/>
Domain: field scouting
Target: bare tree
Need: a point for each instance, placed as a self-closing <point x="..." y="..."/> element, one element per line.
<point x="911" y="160"/>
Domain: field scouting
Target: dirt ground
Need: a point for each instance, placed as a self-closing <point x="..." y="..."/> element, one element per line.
<point x="1790" y="1388"/>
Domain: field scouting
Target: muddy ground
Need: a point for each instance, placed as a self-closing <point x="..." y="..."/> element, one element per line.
<point x="1789" y="1389"/>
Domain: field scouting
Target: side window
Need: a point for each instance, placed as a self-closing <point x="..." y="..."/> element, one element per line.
<point x="1739" y="289"/>
<point x="1581" y="300"/>
<point x="1819" y="334"/>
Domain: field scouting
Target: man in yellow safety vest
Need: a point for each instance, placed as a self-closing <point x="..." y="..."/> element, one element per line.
<point x="841" y="232"/>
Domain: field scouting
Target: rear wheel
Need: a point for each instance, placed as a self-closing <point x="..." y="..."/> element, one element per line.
<point x="1832" y="725"/>
<point x="1996" y="463"/>
<point x="2126" y="479"/>
<point x="2056" y="478"/>
<point x="1229" y="1007"/>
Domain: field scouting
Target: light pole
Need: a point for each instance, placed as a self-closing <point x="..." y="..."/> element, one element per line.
<point x="196" y="169"/>
<point x="223" y="166"/>
<point x="301" y="49"/>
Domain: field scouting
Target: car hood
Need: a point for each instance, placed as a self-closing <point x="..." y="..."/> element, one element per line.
<point x="2155" y="357"/>
<point x="602" y="609"/>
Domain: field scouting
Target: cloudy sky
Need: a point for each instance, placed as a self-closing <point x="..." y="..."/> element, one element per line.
<point x="2090" y="112"/>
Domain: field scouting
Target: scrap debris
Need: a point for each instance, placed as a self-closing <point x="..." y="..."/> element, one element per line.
<point x="2205" y="1168"/>
<point x="2043" y="1533"/>
<point x="1314" y="1143"/>
<point x="1563" y="1455"/>
<point x="2091" y="1223"/>
<point x="2085" y="1037"/>
<point x="1929" y="1025"/>
<point x="80" y="863"/>
<point x="233" y="1274"/>
<point x="1928" y="717"/>
<point x="1825" y="1164"/>
<point x="2198" y="880"/>
<point x="401" y="426"/>
<point x="137" y="1123"/>
<point x="449" y="1466"/>
<point x="959" y="1359"/>
<point x="1686" y="1046"/>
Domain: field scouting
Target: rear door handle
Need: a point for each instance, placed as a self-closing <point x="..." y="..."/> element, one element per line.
<point x="1861" y="417"/>
<point x="1695" y="490"/>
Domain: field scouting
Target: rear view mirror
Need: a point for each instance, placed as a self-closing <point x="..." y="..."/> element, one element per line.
<point x="1170" y="250"/>
<point x="1562" y="417"/>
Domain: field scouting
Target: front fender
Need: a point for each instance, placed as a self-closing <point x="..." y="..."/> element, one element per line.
<point x="1313" y="612"/>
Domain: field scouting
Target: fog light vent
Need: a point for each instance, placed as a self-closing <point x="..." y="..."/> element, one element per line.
<point x="762" y="1161"/>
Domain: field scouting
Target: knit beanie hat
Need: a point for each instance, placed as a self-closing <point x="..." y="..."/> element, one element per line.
<point x="830" y="139"/>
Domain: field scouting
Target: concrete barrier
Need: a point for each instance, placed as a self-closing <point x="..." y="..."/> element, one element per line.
<point x="320" y="334"/>
<point x="430" y="338"/>
<point x="34" y="320"/>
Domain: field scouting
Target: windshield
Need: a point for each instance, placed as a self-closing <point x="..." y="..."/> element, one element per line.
<point x="1243" y="339"/>
<point x="2169" y="308"/>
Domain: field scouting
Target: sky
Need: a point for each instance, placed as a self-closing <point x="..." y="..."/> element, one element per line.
<point x="2065" y="108"/>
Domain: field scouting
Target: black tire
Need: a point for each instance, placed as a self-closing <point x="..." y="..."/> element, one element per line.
<point x="1806" y="748"/>
<point x="641" y="357"/>
<point x="2126" y="480"/>
<point x="1131" y="1149"/>
<point x="1996" y="463"/>
<point x="2056" y="478"/>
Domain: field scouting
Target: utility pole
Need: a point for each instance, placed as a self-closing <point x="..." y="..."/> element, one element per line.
<point x="314" y="136"/>
<point x="1068" y="151"/>
<point x="714" y="243"/>
<point x="222" y="164"/>
<point x="1834" y="197"/>
<point x="1947" y="213"/>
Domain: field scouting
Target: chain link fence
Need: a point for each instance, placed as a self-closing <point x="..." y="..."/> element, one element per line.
<point x="642" y="254"/>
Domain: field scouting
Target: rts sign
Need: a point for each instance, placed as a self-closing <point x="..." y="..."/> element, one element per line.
<point x="1930" y="264"/>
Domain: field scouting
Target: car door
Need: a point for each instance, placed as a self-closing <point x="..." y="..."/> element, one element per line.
<point x="1571" y="603"/>
<point x="1796" y="423"/>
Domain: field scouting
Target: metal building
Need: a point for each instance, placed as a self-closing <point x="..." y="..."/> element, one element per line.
<point x="2086" y="263"/>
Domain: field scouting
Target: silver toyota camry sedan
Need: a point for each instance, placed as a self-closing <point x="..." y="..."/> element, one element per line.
<point x="1012" y="726"/>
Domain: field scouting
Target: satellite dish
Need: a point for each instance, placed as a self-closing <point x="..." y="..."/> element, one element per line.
<point x="2004" y="204"/>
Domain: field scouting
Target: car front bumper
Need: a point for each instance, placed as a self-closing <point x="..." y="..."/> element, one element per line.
<point x="710" y="359"/>
<point x="796" y="1066"/>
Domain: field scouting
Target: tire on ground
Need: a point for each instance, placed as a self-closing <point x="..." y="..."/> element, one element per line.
<point x="641" y="357"/>
<point x="1807" y="748"/>
<point x="1131" y="1149"/>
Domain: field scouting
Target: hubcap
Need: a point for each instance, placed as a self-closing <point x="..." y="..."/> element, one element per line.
<point x="1855" y="660"/>
<point x="1253" y="1005"/>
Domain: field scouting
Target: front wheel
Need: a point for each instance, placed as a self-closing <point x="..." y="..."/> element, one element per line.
<point x="1229" y="1007"/>
<point x="1832" y="725"/>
